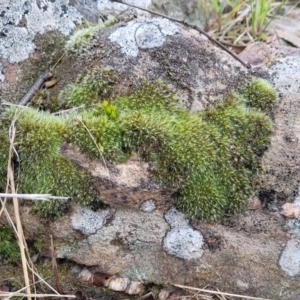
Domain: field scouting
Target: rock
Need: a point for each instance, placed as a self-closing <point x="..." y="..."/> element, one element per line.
<point x="290" y="258"/>
<point x="280" y="177"/>
<point x="114" y="283"/>
<point x="140" y="235"/>
<point x="22" y="20"/>
<point x="290" y="210"/>
<point x="120" y="190"/>
<point x="254" y="203"/>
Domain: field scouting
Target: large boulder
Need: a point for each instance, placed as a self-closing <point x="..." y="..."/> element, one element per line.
<point x="140" y="234"/>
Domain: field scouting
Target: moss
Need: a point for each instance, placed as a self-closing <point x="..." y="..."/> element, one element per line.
<point x="81" y="40"/>
<point x="42" y="100"/>
<point x="260" y="95"/>
<point x="9" y="249"/>
<point x="40" y="168"/>
<point x="95" y="85"/>
<point x="211" y="157"/>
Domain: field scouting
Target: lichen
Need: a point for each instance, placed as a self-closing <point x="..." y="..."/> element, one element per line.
<point x="211" y="157"/>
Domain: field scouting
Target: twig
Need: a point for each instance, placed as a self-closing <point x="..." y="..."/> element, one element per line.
<point x="35" y="87"/>
<point x="218" y="293"/>
<point x="54" y="266"/>
<point x="247" y="65"/>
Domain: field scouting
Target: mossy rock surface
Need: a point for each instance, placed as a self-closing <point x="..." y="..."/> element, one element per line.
<point x="211" y="157"/>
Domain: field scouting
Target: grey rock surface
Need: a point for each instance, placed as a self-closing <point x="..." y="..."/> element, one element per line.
<point x="281" y="66"/>
<point x="87" y="221"/>
<point x="143" y="35"/>
<point x="244" y="254"/>
<point x="107" y="7"/>
<point x="290" y="258"/>
<point x="148" y="206"/>
<point x="21" y="20"/>
<point x="182" y="240"/>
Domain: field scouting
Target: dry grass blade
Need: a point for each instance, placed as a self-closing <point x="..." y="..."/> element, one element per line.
<point x="27" y="264"/>
<point x="217" y="292"/>
<point x="67" y="111"/>
<point x="21" y="239"/>
<point x="97" y="146"/>
<point x="45" y="197"/>
<point x="8" y="295"/>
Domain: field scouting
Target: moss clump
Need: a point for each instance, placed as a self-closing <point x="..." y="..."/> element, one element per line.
<point x="81" y="40"/>
<point x="42" y="100"/>
<point x="260" y="95"/>
<point x="9" y="249"/>
<point x="40" y="168"/>
<point x="90" y="89"/>
<point x="211" y="157"/>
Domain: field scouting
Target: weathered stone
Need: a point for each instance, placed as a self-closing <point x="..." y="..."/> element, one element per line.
<point x="290" y="258"/>
<point x="281" y="66"/>
<point x="124" y="185"/>
<point x="139" y="236"/>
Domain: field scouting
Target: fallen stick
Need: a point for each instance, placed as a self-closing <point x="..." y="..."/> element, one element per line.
<point x="35" y="87"/>
<point x="247" y="65"/>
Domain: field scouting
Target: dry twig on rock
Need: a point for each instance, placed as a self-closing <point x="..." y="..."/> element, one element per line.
<point x="35" y="87"/>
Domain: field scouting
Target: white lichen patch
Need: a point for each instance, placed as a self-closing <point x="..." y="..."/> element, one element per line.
<point x="143" y="35"/>
<point x="284" y="75"/>
<point x="21" y="20"/>
<point x="176" y="218"/>
<point x="148" y="206"/>
<point x="290" y="258"/>
<point x="87" y="221"/>
<point x="182" y="240"/>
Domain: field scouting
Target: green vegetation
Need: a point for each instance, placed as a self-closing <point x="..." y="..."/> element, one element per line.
<point x="39" y="167"/>
<point x="234" y="21"/>
<point x="81" y="40"/>
<point x="260" y="95"/>
<point x="211" y="157"/>
<point x="9" y="249"/>
<point x="96" y="84"/>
